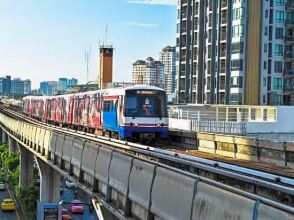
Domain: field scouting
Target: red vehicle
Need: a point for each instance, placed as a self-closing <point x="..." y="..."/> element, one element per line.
<point x="76" y="206"/>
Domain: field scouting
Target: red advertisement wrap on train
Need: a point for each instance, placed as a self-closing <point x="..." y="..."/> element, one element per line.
<point x="136" y="112"/>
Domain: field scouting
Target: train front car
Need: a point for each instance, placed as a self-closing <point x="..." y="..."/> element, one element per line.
<point x="145" y="113"/>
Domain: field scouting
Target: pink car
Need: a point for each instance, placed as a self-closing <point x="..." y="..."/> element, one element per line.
<point x="76" y="206"/>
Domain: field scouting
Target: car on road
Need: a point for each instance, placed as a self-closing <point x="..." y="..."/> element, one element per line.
<point x="70" y="184"/>
<point x="76" y="206"/>
<point x="8" y="205"/>
<point x="2" y="186"/>
<point x="65" y="215"/>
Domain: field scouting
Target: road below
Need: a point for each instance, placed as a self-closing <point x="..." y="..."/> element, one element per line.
<point x="6" y="215"/>
<point x="68" y="196"/>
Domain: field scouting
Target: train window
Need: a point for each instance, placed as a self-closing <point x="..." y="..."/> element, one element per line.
<point x="108" y="106"/>
<point x="145" y="105"/>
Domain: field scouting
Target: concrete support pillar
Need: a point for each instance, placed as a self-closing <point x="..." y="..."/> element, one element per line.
<point x="26" y="172"/>
<point x="1" y="135"/>
<point x="4" y="137"/>
<point x="13" y="148"/>
<point x="50" y="183"/>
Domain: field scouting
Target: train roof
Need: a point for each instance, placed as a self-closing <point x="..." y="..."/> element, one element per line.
<point x="110" y="91"/>
<point x="143" y="87"/>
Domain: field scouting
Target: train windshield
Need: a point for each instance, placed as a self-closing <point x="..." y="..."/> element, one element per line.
<point x="145" y="103"/>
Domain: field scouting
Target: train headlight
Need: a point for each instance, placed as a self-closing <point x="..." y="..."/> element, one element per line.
<point x="136" y="124"/>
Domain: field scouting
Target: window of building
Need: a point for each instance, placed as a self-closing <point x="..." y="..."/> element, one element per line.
<point x="266" y="13"/>
<point x="280" y="2"/>
<point x="237" y="65"/>
<point x="278" y="66"/>
<point x="237" y="48"/>
<point x="264" y="81"/>
<point x="277" y="100"/>
<point x="238" y="13"/>
<point x="277" y="83"/>
<point x="265" y="48"/>
<point x="264" y="98"/>
<point x="238" y="30"/>
<point x="236" y="81"/>
<point x="279" y="16"/>
<point x="209" y="51"/>
<point x="264" y="65"/>
<point x="278" y="50"/>
<point x="279" y="33"/>
<point x="236" y="98"/>
<point x="236" y="1"/>
<point x="265" y="31"/>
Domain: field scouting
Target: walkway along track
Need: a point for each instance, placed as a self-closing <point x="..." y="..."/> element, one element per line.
<point x="244" y="180"/>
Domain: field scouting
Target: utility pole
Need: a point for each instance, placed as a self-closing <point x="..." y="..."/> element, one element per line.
<point x="87" y="59"/>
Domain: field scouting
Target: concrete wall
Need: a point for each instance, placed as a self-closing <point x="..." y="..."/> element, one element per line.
<point x="247" y="148"/>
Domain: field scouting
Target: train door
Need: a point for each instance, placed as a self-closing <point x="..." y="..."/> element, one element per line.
<point x="70" y="110"/>
<point x="76" y="115"/>
<point x="110" y="114"/>
<point x="85" y="110"/>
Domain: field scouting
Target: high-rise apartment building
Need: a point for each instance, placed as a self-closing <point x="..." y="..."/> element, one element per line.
<point x="168" y="57"/>
<point x="62" y="84"/>
<point x="235" y="51"/>
<point x="48" y="87"/>
<point x="20" y="87"/>
<point x="149" y="72"/>
<point x="5" y="85"/>
<point x="27" y="86"/>
<point x="14" y="86"/>
<point x="72" y="82"/>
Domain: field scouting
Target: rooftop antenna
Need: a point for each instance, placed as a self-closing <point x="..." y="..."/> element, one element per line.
<point x="106" y="34"/>
<point x="87" y="59"/>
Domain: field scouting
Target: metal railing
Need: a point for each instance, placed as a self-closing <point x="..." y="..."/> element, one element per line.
<point x="227" y="114"/>
<point x="224" y="127"/>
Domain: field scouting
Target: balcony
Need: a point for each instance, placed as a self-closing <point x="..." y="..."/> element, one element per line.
<point x="222" y="86"/>
<point x="288" y="90"/>
<point x="224" y="3"/>
<point x="222" y="70"/>
<point x="223" y="53"/>
<point x="224" y="19"/>
<point x="289" y="39"/>
<point x="289" y="22"/>
<point x="289" y="5"/>
<point x="289" y="55"/>
<point x="288" y="72"/>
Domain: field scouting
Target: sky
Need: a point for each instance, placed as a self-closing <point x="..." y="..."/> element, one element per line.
<point x="43" y="40"/>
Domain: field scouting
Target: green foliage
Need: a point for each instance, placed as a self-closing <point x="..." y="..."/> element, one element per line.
<point x="28" y="198"/>
<point x="10" y="164"/>
<point x="10" y="169"/>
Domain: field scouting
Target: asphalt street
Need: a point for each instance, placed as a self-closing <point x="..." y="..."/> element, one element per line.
<point x="7" y="215"/>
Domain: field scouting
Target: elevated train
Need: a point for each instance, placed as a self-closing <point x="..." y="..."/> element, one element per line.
<point x="133" y="113"/>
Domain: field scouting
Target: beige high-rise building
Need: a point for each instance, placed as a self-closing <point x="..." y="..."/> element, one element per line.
<point x="148" y="72"/>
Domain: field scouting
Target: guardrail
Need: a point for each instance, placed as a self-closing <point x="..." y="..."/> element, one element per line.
<point x="225" y="127"/>
<point x="139" y="188"/>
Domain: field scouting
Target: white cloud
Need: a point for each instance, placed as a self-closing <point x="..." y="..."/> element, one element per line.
<point x="154" y="2"/>
<point x="139" y="24"/>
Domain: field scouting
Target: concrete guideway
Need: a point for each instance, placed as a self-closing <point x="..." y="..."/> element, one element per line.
<point x="136" y="186"/>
